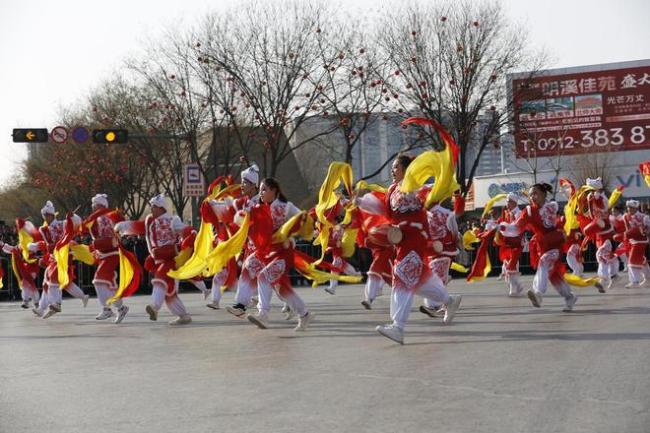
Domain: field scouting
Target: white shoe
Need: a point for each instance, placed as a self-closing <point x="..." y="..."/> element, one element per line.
<point x="632" y="285"/>
<point x="290" y="314"/>
<point x="253" y="302"/>
<point x="452" y="308"/>
<point x="535" y="298"/>
<point x="214" y="305"/>
<point x="181" y="320"/>
<point x="261" y="320"/>
<point x="121" y="314"/>
<point x="84" y="300"/>
<point x="105" y="314"/>
<point x="330" y="290"/>
<point x="236" y="310"/>
<point x="37" y="312"/>
<point x="52" y="310"/>
<point x="392" y="332"/>
<point x="286" y="309"/>
<point x="303" y="322"/>
<point x="607" y="283"/>
<point x="570" y="302"/>
<point x="432" y="312"/>
<point x="151" y="311"/>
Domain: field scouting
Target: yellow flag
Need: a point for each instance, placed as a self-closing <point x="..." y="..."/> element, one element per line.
<point x="226" y="250"/>
<point x="61" y="256"/>
<point x="82" y="253"/>
<point x="490" y="204"/>
<point x="196" y="264"/>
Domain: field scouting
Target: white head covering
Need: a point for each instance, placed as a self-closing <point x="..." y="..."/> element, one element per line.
<point x="48" y="209"/>
<point x="100" y="199"/>
<point x="251" y="174"/>
<point x="159" y="201"/>
<point x="595" y="183"/>
<point x="512" y="196"/>
<point x="632" y="203"/>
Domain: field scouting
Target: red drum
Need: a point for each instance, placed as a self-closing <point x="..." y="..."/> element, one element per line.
<point x="166" y="252"/>
<point x="385" y="235"/>
<point x="105" y="245"/>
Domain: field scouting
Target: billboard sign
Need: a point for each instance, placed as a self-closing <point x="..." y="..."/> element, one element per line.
<point x="600" y="108"/>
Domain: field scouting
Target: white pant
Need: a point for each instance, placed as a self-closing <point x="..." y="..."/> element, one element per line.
<point x="541" y="280"/>
<point x="514" y="286"/>
<point x="637" y="274"/>
<point x="401" y="300"/>
<point x="603" y="255"/>
<point x="29" y="293"/>
<point x="218" y="281"/>
<point x="265" y="288"/>
<point x="373" y="287"/>
<point x="174" y="303"/>
<point x="247" y="284"/>
<point x="572" y="260"/>
<point x="104" y="294"/>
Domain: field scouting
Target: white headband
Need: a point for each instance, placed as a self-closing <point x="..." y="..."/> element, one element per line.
<point x="632" y="203"/>
<point x="100" y="199"/>
<point x="512" y="196"/>
<point x="595" y="183"/>
<point x="159" y="201"/>
<point x="251" y="174"/>
<point x="48" y="209"/>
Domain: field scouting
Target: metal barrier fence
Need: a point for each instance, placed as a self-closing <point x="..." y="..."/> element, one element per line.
<point x="360" y="260"/>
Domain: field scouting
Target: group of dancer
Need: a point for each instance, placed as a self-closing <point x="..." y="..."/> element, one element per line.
<point x="246" y="243"/>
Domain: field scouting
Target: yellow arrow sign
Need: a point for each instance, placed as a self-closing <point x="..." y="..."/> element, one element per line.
<point x="30" y="135"/>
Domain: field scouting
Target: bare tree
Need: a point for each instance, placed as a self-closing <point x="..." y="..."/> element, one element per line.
<point x="451" y="61"/>
<point x="270" y="53"/>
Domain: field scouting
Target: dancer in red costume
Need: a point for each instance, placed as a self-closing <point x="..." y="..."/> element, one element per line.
<point x="25" y="263"/>
<point x="372" y="234"/>
<point x="600" y="230"/>
<point x="101" y="225"/>
<point x="510" y="247"/>
<point x="276" y="258"/>
<point x="443" y="247"/>
<point x="637" y="229"/>
<point x="53" y="231"/>
<point x="162" y="233"/>
<point x="411" y="275"/>
<point x="540" y="217"/>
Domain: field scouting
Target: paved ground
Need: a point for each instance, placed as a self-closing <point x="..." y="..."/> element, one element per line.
<point x="502" y="366"/>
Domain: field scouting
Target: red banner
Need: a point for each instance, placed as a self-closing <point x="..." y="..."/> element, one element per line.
<point x="597" y="111"/>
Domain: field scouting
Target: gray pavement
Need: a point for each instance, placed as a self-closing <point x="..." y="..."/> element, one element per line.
<point x="502" y="366"/>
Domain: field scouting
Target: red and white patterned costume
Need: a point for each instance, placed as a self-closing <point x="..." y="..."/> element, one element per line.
<point x="600" y="230"/>
<point x="277" y="261"/>
<point x="543" y="223"/>
<point x="443" y="244"/>
<point x="229" y="212"/>
<point x="382" y="252"/>
<point x="411" y="273"/>
<point x="510" y="248"/>
<point x="637" y="229"/>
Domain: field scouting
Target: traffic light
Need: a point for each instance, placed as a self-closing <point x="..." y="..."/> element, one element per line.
<point x="30" y="135"/>
<point x="110" y="136"/>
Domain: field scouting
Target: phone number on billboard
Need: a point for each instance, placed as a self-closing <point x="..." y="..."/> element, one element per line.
<point x="637" y="135"/>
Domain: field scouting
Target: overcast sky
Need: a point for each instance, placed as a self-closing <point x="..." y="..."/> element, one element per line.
<point x="53" y="53"/>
